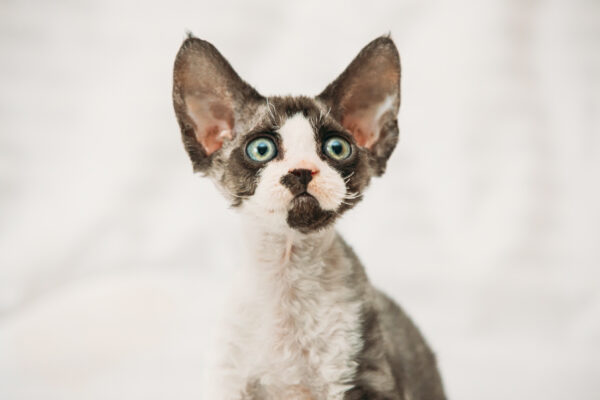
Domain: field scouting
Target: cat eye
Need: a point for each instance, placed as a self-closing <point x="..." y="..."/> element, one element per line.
<point x="337" y="148"/>
<point x="261" y="149"/>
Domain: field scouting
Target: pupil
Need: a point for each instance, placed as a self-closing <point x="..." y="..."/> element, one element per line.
<point x="337" y="147"/>
<point x="262" y="149"/>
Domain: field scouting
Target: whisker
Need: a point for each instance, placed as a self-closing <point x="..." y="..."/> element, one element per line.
<point x="347" y="178"/>
<point x="236" y="195"/>
<point x="352" y="195"/>
<point x="321" y="116"/>
<point x="273" y="119"/>
<point x="328" y="111"/>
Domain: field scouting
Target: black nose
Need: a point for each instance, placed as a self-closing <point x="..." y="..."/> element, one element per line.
<point x="297" y="180"/>
<point x="304" y="175"/>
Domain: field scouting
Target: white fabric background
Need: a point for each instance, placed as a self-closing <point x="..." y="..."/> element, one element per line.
<point x="486" y="226"/>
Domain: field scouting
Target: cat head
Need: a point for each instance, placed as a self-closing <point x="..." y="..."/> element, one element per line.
<point x="298" y="162"/>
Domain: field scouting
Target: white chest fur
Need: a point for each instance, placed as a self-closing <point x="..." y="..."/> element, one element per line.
<point x="294" y="327"/>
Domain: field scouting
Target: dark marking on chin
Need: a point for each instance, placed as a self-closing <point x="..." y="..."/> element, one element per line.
<point x="361" y="393"/>
<point x="306" y="215"/>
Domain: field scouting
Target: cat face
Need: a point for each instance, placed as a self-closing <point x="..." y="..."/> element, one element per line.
<point x="294" y="162"/>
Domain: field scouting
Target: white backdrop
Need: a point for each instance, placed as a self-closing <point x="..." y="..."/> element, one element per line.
<point x="486" y="226"/>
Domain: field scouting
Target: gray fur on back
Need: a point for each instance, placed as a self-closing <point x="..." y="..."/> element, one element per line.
<point x="395" y="361"/>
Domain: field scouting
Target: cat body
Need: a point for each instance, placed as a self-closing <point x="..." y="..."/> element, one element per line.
<point x="305" y="323"/>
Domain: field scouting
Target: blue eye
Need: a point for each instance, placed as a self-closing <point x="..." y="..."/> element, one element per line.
<point x="261" y="149"/>
<point x="337" y="148"/>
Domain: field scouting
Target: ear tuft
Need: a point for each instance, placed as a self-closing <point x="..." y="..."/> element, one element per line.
<point x="209" y="99"/>
<point x="365" y="98"/>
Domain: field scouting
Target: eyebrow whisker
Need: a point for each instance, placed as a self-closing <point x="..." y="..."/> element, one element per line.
<point x="271" y="112"/>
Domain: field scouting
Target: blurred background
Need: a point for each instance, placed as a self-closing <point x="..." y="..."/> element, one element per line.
<point x="114" y="257"/>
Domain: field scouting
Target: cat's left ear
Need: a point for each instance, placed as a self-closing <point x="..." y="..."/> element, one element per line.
<point x="365" y="99"/>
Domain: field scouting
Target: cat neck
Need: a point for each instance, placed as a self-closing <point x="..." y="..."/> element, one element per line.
<point x="291" y="271"/>
<point x="276" y="246"/>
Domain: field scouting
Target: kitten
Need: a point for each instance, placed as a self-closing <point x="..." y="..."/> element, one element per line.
<point x="306" y="323"/>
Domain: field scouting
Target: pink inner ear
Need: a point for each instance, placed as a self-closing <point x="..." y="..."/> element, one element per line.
<point x="363" y="127"/>
<point x="213" y="138"/>
<point x="213" y="122"/>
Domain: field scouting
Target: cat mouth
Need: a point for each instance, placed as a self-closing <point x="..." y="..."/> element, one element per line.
<point x="305" y="200"/>
<point x="304" y="195"/>
<point x="306" y="214"/>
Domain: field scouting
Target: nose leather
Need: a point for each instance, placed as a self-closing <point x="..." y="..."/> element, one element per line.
<point x="304" y="175"/>
<point x="297" y="180"/>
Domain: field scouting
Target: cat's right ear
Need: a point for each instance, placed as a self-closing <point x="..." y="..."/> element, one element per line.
<point x="210" y="100"/>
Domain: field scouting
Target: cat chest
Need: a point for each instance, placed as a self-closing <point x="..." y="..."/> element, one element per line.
<point x="311" y="346"/>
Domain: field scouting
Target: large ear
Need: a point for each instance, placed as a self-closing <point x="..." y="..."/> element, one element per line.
<point x="210" y="100"/>
<point x="365" y="99"/>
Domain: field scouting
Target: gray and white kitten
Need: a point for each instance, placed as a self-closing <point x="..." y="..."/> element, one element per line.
<point x="305" y="323"/>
